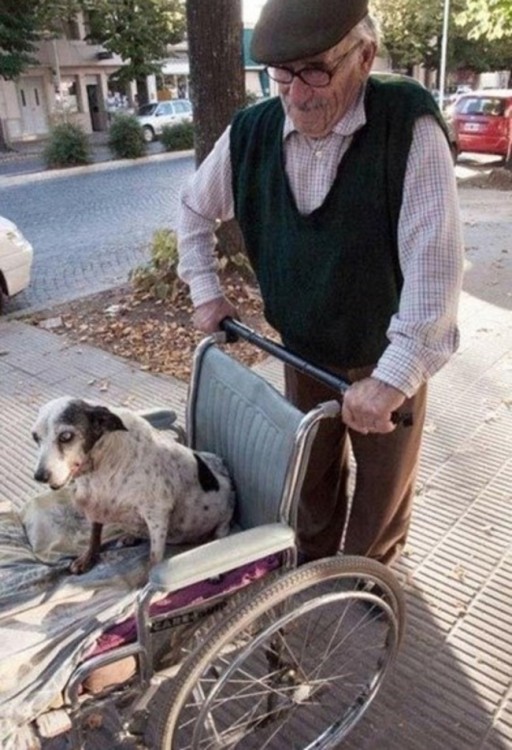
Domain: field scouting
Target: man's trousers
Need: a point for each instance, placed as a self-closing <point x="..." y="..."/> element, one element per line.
<point x="386" y="467"/>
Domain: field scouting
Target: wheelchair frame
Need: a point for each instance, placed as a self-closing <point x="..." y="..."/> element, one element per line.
<point x="231" y="623"/>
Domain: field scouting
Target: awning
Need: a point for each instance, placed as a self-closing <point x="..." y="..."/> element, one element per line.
<point x="175" y="68"/>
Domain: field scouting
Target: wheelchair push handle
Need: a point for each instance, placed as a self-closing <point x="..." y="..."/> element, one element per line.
<point x="234" y="330"/>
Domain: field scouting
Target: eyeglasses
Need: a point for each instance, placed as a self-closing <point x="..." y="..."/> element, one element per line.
<point x="315" y="77"/>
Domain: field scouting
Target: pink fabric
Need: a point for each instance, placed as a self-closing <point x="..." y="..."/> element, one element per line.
<point x="125" y="631"/>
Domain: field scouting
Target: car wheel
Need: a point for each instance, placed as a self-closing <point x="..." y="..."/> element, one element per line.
<point x="148" y="133"/>
<point x="455" y="152"/>
<point x="2" y="300"/>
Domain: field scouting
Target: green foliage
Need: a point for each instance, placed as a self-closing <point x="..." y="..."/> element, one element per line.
<point x="18" y="34"/>
<point x="137" y="30"/>
<point x="412" y="32"/>
<point x="125" y="137"/>
<point x="23" y="23"/>
<point x="482" y="54"/>
<point x="178" y="137"/>
<point x="491" y="19"/>
<point x="52" y="14"/>
<point x="68" y="146"/>
<point x="159" y="277"/>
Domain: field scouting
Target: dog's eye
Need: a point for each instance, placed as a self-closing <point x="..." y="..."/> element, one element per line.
<point x="65" y="437"/>
<point x="36" y="438"/>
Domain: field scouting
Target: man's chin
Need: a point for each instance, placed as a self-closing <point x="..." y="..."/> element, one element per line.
<point x="309" y="126"/>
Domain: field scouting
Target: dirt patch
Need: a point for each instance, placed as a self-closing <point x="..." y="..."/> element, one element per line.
<point x="157" y="334"/>
<point x="497" y="179"/>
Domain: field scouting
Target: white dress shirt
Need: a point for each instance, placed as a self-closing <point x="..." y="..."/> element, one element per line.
<point x="423" y="333"/>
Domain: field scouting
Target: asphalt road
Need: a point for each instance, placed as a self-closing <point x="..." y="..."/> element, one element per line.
<point x="90" y="228"/>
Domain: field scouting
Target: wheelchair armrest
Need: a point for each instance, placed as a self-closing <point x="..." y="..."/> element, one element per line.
<point x="165" y="419"/>
<point x="160" y="419"/>
<point x="220" y="556"/>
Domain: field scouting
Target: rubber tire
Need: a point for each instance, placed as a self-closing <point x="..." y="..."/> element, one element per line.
<point x="148" y="134"/>
<point x="358" y="571"/>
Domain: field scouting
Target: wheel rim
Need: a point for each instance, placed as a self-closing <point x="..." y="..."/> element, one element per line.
<point x="148" y="135"/>
<point x="302" y="681"/>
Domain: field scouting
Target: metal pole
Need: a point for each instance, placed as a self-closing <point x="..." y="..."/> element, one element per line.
<point x="444" y="44"/>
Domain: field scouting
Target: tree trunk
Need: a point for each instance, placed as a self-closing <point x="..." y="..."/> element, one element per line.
<point x="4" y="144"/>
<point x="216" y="68"/>
<point x="142" y="91"/>
<point x="217" y="82"/>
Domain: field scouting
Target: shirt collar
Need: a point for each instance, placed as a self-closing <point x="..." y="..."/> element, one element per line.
<point x="352" y="120"/>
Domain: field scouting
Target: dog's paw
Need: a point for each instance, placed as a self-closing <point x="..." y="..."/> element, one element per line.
<point x="82" y="564"/>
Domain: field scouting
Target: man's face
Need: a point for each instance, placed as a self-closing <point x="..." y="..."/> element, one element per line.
<point x="315" y="110"/>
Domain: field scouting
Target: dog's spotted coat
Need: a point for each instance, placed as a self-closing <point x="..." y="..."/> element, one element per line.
<point x="124" y="471"/>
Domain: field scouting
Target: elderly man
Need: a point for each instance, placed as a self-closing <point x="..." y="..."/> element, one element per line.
<point x="344" y="190"/>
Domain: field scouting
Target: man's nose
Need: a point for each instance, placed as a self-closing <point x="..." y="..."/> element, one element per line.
<point x="42" y="475"/>
<point x="298" y="91"/>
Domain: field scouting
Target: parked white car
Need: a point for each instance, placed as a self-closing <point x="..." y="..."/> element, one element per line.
<point x="15" y="260"/>
<point x="155" y="115"/>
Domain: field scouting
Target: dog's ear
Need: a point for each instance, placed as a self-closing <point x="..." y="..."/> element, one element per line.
<point x="102" y="420"/>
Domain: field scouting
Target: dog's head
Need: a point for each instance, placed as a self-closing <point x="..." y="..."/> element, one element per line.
<point x="66" y="430"/>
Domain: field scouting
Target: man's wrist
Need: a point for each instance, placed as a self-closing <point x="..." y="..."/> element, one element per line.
<point x="400" y="370"/>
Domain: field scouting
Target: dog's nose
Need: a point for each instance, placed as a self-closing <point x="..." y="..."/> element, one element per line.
<point x="42" y="475"/>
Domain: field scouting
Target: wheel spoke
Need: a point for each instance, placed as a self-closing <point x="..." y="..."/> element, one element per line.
<point x="294" y="668"/>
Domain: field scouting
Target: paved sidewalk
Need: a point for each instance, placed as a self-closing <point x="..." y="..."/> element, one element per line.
<point x="452" y="687"/>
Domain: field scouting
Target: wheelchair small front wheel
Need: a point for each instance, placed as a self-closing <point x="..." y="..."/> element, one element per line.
<point x="296" y="666"/>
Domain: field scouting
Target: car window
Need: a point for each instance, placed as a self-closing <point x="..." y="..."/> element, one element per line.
<point x="165" y="108"/>
<point x="481" y="105"/>
<point x="146" y="110"/>
<point x="180" y="107"/>
<point x="494" y="107"/>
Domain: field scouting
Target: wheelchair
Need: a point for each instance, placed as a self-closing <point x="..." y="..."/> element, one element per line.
<point x="235" y="645"/>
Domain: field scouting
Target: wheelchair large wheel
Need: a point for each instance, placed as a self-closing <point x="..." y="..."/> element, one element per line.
<point x="295" y="667"/>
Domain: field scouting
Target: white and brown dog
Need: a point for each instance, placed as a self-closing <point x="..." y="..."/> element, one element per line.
<point x="126" y="472"/>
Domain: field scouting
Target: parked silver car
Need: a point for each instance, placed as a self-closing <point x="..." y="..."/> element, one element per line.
<point x="155" y="115"/>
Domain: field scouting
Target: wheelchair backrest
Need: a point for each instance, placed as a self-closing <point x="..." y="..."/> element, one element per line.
<point x="235" y="413"/>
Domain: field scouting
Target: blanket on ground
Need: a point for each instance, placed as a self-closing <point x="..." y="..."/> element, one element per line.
<point x="49" y="618"/>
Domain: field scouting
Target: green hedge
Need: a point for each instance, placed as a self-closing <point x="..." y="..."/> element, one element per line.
<point x="178" y="137"/>
<point x="125" y="137"/>
<point x="68" y="146"/>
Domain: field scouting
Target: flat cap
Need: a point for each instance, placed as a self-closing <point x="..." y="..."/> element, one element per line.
<point x="294" y="29"/>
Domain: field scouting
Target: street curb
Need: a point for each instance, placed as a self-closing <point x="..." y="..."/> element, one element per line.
<point x="50" y="174"/>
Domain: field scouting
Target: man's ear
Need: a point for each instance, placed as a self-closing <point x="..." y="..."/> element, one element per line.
<point x="368" y="54"/>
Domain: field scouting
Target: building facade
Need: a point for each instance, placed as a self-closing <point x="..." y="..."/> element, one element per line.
<point x="68" y="83"/>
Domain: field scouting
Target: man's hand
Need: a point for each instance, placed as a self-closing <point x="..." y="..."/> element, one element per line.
<point x="367" y="406"/>
<point x="207" y="317"/>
